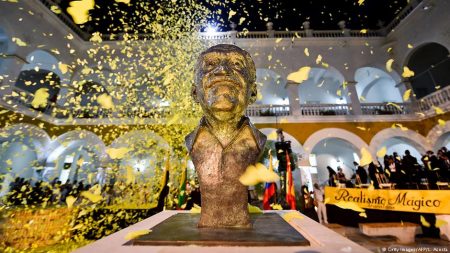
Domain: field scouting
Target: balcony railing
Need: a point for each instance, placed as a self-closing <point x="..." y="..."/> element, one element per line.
<point x="439" y="98"/>
<point x="267" y="110"/>
<point x="386" y="108"/>
<point x="324" y="109"/>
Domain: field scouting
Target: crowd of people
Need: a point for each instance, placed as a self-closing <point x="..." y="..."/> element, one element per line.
<point x="402" y="172"/>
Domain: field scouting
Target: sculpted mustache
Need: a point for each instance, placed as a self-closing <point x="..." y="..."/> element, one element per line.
<point x="212" y="81"/>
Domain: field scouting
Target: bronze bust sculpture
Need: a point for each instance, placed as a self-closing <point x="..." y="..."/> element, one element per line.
<point x="225" y="143"/>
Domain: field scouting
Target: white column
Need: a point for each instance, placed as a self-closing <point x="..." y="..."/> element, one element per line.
<point x="294" y="100"/>
<point x="354" y="100"/>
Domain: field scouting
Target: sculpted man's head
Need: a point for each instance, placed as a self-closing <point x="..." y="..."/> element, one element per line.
<point x="225" y="82"/>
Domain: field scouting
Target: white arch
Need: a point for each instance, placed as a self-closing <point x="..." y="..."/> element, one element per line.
<point x="338" y="133"/>
<point x="421" y="143"/>
<point x="73" y="139"/>
<point x="29" y="135"/>
<point x="435" y="134"/>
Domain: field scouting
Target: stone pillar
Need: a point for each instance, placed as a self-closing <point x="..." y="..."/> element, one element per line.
<point x="294" y="100"/>
<point x="306" y="27"/>
<point x="344" y="30"/>
<point x="270" y="31"/>
<point x="354" y="99"/>
<point x="233" y="31"/>
<point x="403" y="86"/>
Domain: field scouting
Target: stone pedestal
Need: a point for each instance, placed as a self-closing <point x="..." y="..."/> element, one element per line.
<point x="320" y="238"/>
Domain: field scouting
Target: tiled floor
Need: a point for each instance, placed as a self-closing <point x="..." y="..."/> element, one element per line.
<point x="383" y="244"/>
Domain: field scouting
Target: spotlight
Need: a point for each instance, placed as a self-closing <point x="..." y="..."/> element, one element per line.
<point x="210" y="29"/>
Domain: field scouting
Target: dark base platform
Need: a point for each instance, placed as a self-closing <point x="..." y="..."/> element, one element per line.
<point x="269" y="229"/>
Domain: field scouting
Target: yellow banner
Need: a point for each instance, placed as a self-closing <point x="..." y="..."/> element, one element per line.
<point x="421" y="201"/>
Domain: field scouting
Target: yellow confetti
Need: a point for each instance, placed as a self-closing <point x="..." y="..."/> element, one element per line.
<point x="366" y="157"/>
<point x="136" y="234"/>
<point x="117" y="153"/>
<point x="79" y="10"/>
<point x="306" y="51"/>
<point x="92" y="197"/>
<point x="241" y="20"/>
<point x="196" y="209"/>
<point x="441" y="122"/>
<point x="382" y="152"/>
<point x="96" y="37"/>
<point x="361" y="128"/>
<point x="254" y="209"/>
<point x="63" y="67"/>
<point x="55" y="9"/>
<point x="363" y="31"/>
<point x="318" y="59"/>
<point x="40" y="98"/>
<point x="272" y="136"/>
<point x="19" y="42"/>
<point x="278" y="40"/>
<point x="291" y="216"/>
<point x="258" y="173"/>
<point x="410" y="46"/>
<point x="349" y="205"/>
<point x="105" y="101"/>
<point x="123" y="1"/>
<point x="438" y="110"/>
<point x="406" y="95"/>
<point x="407" y="72"/>
<point x="276" y="206"/>
<point x="269" y="57"/>
<point x="360" y="2"/>
<point x="439" y="223"/>
<point x="70" y="200"/>
<point x="424" y="222"/>
<point x="389" y="65"/>
<point x="231" y="14"/>
<point x="69" y="36"/>
<point x="300" y="76"/>
<point x="339" y="92"/>
<point x="363" y="215"/>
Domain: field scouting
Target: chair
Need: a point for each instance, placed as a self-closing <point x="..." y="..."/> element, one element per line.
<point x="383" y="182"/>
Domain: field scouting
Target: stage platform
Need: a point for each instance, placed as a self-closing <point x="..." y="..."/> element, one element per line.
<point x="321" y="239"/>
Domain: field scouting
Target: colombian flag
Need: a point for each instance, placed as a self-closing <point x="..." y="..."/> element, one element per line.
<point x="290" y="193"/>
<point x="269" y="189"/>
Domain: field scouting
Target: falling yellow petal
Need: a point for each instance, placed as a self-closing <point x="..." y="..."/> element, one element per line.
<point x="278" y="40"/>
<point x="136" y="234"/>
<point x="79" y="10"/>
<point x="123" y="1"/>
<point x="382" y="152"/>
<point x="410" y="46"/>
<point x="105" y="101"/>
<point x="254" y="209"/>
<point x="441" y="122"/>
<point x="55" y="9"/>
<point x="258" y="173"/>
<point x="92" y="197"/>
<point x="40" y="98"/>
<point x="360" y="2"/>
<point x="366" y="157"/>
<point x="318" y="59"/>
<point x="306" y="51"/>
<point x="241" y="20"/>
<point x="291" y="216"/>
<point x="424" y="222"/>
<point x="406" y="95"/>
<point x="363" y="31"/>
<point x="349" y="205"/>
<point x="19" y="42"/>
<point x="389" y="65"/>
<point x="439" y="223"/>
<point x="438" y="110"/>
<point x="117" y="153"/>
<point x="276" y="206"/>
<point x="231" y="14"/>
<point x="70" y="200"/>
<point x="361" y="128"/>
<point x="300" y="76"/>
<point x="407" y="72"/>
<point x="63" y="67"/>
<point x="272" y="136"/>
